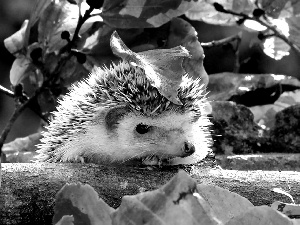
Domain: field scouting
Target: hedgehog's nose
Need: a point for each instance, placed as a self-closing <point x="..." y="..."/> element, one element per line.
<point x="188" y="149"/>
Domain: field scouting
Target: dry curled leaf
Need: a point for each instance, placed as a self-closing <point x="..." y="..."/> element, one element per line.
<point x="223" y="203"/>
<point x="163" y="67"/>
<point x="177" y="202"/>
<point x="184" y="34"/>
<point x="83" y="203"/>
<point x="261" y="215"/>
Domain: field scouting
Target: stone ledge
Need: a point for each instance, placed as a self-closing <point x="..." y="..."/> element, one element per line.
<point x="276" y="161"/>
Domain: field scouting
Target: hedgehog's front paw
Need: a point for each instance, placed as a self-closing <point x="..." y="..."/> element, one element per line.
<point x="79" y="159"/>
<point x="152" y="160"/>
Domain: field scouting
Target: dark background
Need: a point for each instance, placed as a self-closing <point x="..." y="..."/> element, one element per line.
<point x="219" y="59"/>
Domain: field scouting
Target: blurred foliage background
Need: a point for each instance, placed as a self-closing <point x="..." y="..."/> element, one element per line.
<point x="218" y="59"/>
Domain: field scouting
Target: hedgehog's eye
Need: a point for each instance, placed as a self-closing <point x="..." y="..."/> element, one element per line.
<point x="142" y="128"/>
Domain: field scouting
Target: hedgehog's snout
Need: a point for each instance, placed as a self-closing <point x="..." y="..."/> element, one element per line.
<point x="187" y="149"/>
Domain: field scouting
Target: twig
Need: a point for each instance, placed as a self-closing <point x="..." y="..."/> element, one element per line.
<point x="236" y="67"/>
<point x="14" y="116"/>
<point x="277" y="32"/>
<point x="222" y="41"/>
<point x="237" y="38"/>
<point x="9" y="93"/>
<point x="23" y="98"/>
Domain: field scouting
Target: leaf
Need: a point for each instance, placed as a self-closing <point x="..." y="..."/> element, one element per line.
<point x="260" y="215"/>
<point x="19" y="70"/>
<point x="291" y="210"/>
<point x="59" y="16"/>
<point x="142" y="14"/>
<point x="177" y="202"/>
<point x="37" y="12"/>
<point x="15" y="42"/>
<point x="273" y="7"/>
<point x="22" y="144"/>
<point x="224" y="204"/>
<point x="276" y="48"/>
<point x="184" y="34"/>
<point x="83" y="203"/>
<point x="66" y="220"/>
<point x="205" y="11"/>
<point x="163" y="67"/>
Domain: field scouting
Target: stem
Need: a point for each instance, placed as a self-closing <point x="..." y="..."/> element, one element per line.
<point x="22" y="100"/>
<point x="271" y="27"/>
<point x="237" y="38"/>
<point x="222" y="41"/>
<point x="81" y="21"/>
<point x="9" y="125"/>
<point x="7" y="92"/>
<point x="13" y="118"/>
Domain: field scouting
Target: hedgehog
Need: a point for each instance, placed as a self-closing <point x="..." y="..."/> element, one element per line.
<point x="117" y="116"/>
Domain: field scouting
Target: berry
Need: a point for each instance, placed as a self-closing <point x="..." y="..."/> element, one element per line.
<point x="95" y="4"/>
<point x="258" y="12"/>
<point x="81" y="58"/>
<point x="219" y="7"/>
<point x="261" y="36"/>
<point x="65" y="35"/>
<point x="36" y="54"/>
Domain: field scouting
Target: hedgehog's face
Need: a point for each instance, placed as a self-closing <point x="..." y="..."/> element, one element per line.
<point x="132" y="135"/>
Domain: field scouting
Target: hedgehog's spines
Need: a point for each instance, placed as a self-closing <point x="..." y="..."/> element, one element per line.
<point x="122" y="83"/>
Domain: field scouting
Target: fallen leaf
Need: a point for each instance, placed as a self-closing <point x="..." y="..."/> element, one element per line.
<point x="260" y="215"/>
<point x="177" y="202"/>
<point x="83" y="203"/>
<point x="223" y="203"/>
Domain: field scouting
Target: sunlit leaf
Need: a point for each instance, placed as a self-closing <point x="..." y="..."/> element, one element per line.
<point x="19" y="70"/>
<point x="205" y="11"/>
<point x="15" y="42"/>
<point x="275" y="48"/>
<point x="254" y="25"/>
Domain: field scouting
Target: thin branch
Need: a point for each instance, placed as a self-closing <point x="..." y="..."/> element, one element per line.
<point x="237" y="38"/>
<point x="18" y="110"/>
<point x="22" y="99"/>
<point x="222" y="41"/>
<point x="9" y="93"/>
<point x="277" y="32"/>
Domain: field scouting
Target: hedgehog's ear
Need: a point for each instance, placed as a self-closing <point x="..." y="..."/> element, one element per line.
<point x="113" y="115"/>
